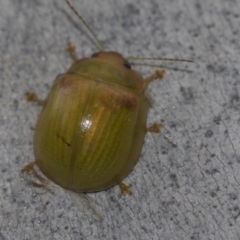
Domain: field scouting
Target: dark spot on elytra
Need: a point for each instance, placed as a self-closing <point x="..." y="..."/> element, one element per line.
<point x="64" y="140"/>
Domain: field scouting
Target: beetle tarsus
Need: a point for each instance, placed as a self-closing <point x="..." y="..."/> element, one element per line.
<point x="159" y="74"/>
<point x="32" y="97"/>
<point x="29" y="170"/>
<point x="155" y="128"/>
<point x="125" y="189"/>
<point x="71" y="49"/>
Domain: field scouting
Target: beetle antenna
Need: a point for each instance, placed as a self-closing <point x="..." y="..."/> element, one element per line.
<point x="100" y="45"/>
<point x="161" y="59"/>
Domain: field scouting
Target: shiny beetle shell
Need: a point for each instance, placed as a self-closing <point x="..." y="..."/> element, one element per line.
<point x="90" y="132"/>
<point x="91" y="129"/>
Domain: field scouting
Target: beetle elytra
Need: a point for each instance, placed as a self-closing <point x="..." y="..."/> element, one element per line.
<point x="90" y="132"/>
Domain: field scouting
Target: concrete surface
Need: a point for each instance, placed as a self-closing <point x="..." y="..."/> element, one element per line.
<point x="186" y="183"/>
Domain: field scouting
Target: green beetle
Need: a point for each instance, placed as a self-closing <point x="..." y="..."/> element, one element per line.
<point x="91" y="129"/>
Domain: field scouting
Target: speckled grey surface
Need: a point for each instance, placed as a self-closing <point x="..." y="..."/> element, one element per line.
<point x="186" y="183"/>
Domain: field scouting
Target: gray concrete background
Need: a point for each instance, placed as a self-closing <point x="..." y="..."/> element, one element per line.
<point x="186" y="183"/>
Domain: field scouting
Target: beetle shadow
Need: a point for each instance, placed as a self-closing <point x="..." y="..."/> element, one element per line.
<point x="83" y="202"/>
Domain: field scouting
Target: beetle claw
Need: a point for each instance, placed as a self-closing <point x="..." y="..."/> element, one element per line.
<point x="155" y="128"/>
<point x="32" y="97"/>
<point x="125" y="189"/>
<point x="29" y="170"/>
<point x="71" y="49"/>
<point x="159" y="74"/>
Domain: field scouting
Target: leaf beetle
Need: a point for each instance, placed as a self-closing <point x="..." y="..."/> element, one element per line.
<point x="91" y="129"/>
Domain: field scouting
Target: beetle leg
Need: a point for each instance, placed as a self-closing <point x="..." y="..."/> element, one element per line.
<point x="155" y="128"/>
<point x="32" y="97"/>
<point x="125" y="189"/>
<point x="159" y="74"/>
<point x="71" y="49"/>
<point x="29" y="170"/>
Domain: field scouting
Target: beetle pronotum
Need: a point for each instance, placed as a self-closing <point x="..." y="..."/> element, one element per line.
<point x="91" y="129"/>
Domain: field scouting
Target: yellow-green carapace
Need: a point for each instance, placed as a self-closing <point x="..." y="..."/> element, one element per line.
<point x="90" y="132"/>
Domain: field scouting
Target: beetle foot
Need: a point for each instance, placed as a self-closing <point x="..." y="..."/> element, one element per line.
<point x="155" y="128"/>
<point x="32" y="97"/>
<point x="29" y="170"/>
<point x="159" y="74"/>
<point x="125" y="189"/>
<point x="71" y="49"/>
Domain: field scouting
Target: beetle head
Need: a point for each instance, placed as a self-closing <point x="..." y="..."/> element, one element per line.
<point x="112" y="57"/>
